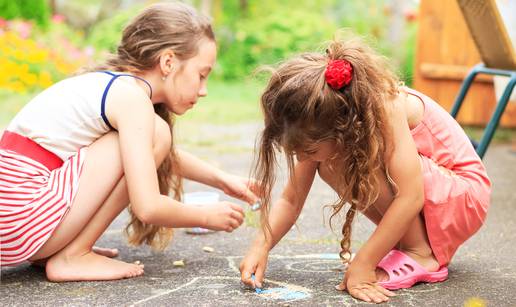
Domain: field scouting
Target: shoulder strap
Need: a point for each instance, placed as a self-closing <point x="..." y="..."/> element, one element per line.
<point x="104" y="95"/>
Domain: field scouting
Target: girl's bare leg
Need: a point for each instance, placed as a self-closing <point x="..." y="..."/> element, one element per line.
<point x="415" y="241"/>
<point x="102" y="195"/>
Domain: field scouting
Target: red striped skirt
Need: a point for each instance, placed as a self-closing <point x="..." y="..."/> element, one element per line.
<point x="36" y="191"/>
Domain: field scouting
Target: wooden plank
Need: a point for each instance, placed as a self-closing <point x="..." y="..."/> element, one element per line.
<point x="450" y="72"/>
<point x="488" y="31"/>
<point x="428" y="40"/>
<point x="444" y="40"/>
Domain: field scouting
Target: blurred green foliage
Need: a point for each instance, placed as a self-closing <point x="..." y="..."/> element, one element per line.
<point x="263" y="32"/>
<point x="260" y="37"/>
<point x="106" y="34"/>
<point x="250" y="33"/>
<point x="37" y="10"/>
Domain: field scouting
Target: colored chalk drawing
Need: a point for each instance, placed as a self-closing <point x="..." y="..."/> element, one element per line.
<point x="284" y="294"/>
<point x="230" y="287"/>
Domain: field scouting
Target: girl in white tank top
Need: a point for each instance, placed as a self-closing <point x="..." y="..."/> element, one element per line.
<point x="82" y="150"/>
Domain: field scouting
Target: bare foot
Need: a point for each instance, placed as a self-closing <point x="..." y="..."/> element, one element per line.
<point x="89" y="266"/>
<point x="108" y="252"/>
<point x="428" y="262"/>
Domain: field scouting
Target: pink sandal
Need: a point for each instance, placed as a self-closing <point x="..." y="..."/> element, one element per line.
<point x="404" y="272"/>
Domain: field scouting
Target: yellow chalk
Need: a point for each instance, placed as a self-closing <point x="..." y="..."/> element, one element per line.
<point x="208" y="249"/>
<point x="179" y="263"/>
<point x="474" y="302"/>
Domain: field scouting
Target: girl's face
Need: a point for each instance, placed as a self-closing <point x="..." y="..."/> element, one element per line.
<point x="190" y="81"/>
<point x="319" y="152"/>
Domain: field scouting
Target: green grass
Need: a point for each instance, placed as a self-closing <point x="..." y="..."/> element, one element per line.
<point x="10" y="104"/>
<point x="227" y="103"/>
<point x="502" y="135"/>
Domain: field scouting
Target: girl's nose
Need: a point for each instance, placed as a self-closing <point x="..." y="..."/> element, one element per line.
<point x="203" y="91"/>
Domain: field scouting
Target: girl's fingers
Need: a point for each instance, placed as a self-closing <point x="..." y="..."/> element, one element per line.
<point x="249" y="196"/>
<point x="384" y="291"/>
<point x="258" y="277"/>
<point x="246" y="278"/>
<point x="361" y="295"/>
<point x="237" y="208"/>
<point x="238" y="216"/>
<point x="256" y="187"/>
<point x="232" y="225"/>
<point x="369" y="294"/>
<point x="375" y="295"/>
<point x="236" y="223"/>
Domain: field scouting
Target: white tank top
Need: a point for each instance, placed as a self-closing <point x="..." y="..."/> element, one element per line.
<point x="68" y="115"/>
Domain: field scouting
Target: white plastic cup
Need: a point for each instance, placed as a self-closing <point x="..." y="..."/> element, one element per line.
<point x="200" y="199"/>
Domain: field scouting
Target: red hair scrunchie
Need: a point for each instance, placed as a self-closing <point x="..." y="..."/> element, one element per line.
<point x="338" y="73"/>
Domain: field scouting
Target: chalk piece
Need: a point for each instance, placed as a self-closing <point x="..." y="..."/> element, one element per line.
<point x="208" y="249"/>
<point x="198" y="231"/>
<point x="179" y="263"/>
<point x="256" y="206"/>
<point x="256" y="289"/>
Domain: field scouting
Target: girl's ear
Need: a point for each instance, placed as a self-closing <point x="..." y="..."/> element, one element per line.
<point x="166" y="61"/>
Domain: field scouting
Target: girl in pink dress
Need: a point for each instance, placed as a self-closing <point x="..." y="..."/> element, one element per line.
<point x="389" y="152"/>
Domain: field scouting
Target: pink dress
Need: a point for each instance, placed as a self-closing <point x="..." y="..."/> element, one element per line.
<point x="457" y="189"/>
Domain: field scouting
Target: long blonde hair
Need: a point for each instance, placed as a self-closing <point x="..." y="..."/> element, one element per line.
<point x="301" y="109"/>
<point x="160" y="26"/>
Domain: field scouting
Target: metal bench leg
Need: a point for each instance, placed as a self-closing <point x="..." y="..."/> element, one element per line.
<point x="464" y="89"/>
<point x="495" y="118"/>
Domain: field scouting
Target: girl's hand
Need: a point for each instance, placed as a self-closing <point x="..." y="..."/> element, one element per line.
<point x="239" y="187"/>
<point x="224" y="216"/>
<point x="360" y="282"/>
<point x="255" y="262"/>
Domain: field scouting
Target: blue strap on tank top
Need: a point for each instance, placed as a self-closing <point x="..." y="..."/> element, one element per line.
<point x="103" y="102"/>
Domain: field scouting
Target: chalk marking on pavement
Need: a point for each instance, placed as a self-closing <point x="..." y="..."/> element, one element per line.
<point x="290" y="292"/>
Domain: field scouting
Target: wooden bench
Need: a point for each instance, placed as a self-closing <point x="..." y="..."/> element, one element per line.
<point x="498" y="59"/>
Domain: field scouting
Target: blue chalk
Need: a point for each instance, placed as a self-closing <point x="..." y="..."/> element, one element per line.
<point x="256" y="289"/>
<point x="285" y="294"/>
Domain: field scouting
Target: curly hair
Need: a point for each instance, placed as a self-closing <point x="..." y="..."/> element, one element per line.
<point x="160" y="26"/>
<point x="301" y="110"/>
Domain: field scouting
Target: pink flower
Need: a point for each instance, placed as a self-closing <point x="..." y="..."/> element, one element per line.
<point x="410" y="15"/>
<point x="58" y="18"/>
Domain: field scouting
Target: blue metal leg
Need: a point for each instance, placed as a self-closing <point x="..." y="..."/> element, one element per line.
<point x="495" y="118"/>
<point x="500" y="106"/>
<point x="464" y="89"/>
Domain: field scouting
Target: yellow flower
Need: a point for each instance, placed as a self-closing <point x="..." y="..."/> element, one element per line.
<point x="38" y="56"/>
<point x="45" y="80"/>
<point x="16" y="86"/>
